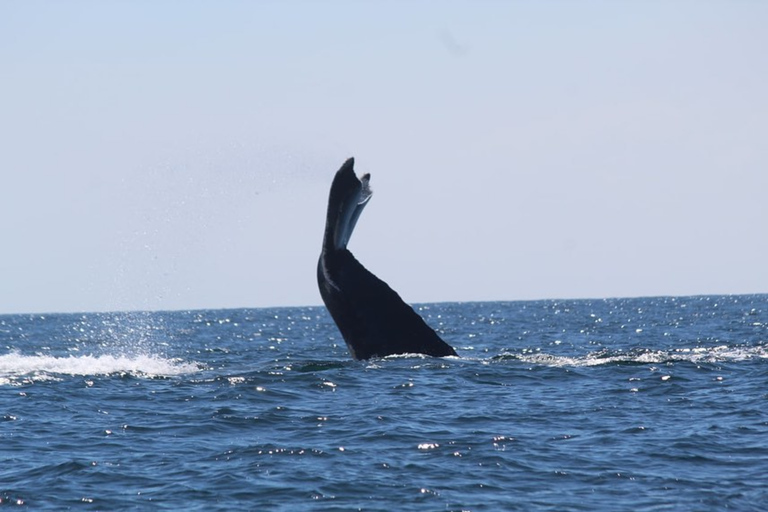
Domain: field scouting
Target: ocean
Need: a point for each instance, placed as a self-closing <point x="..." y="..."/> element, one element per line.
<point x="618" y="404"/>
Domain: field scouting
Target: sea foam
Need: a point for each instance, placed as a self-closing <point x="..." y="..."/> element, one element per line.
<point x="16" y="367"/>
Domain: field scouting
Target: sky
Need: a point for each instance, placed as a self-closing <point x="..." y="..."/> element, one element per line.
<point x="178" y="155"/>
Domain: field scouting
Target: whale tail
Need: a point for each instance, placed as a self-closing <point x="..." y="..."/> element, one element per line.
<point x="349" y="195"/>
<point x="374" y="321"/>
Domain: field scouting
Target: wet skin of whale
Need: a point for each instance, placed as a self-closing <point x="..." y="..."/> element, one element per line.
<point x="372" y="318"/>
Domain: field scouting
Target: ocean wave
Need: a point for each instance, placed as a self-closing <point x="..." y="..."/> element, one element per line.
<point x="18" y="368"/>
<point x="722" y="353"/>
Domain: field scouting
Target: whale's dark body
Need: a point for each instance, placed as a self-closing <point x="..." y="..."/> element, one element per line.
<point x="372" y="318"/>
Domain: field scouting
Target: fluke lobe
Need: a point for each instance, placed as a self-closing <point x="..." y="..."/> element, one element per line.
<point x="372" y="318"/>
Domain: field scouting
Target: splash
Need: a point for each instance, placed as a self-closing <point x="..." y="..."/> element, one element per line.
<point x="16" y="368"/>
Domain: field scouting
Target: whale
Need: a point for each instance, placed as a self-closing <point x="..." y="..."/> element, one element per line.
<point x="372" y="318"/>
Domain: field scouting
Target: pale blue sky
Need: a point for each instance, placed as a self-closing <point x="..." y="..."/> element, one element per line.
<point x="168" y="155"/>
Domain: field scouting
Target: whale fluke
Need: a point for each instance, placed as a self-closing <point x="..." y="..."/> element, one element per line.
<point x="373" y="319"/>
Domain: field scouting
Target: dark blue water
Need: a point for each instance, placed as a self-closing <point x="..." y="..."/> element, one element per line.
<point x="622" y="404"/>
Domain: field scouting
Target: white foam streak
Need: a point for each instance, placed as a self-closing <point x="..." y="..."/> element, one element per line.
<point x="15" y="366"/>
<point x="693" y="355"/>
